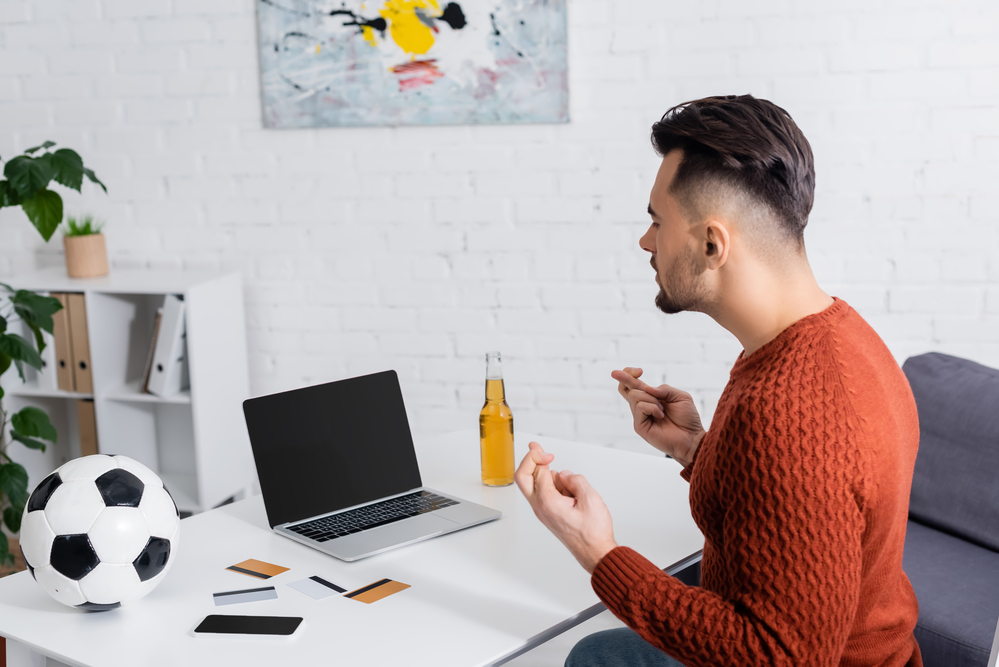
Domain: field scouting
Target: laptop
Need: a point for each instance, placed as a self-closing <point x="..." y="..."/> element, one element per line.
<point x="338" y="469"/>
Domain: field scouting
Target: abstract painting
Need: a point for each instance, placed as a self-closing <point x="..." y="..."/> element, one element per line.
<point x="412" y="62"/>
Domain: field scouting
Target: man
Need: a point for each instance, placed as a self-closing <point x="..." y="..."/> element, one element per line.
<point x="801" y="485"/>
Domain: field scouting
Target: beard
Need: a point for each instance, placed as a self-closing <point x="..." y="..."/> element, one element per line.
<point x="686" y="293"/>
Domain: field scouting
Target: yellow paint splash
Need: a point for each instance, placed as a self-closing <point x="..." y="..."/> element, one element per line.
<point x="406" y="29"/>
<point x="369" y="35"/>
<point x="317" y="48"/>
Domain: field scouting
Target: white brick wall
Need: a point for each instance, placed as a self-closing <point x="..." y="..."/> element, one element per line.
<point x="422" y="248"/>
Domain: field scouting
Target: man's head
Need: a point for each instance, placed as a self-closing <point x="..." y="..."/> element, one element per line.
<point x="736" y="171"/>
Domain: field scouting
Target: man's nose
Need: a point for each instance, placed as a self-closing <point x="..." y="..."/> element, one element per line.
<point x="648" y="240"/>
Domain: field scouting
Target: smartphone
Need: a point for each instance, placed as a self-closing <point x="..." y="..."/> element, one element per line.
<point x="219" y="624"/>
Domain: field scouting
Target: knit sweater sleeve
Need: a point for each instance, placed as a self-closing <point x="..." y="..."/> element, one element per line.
<point x="792" y="530"/>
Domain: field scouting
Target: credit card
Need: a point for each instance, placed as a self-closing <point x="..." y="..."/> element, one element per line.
<point x="377" y="591"/>
<point x="317" y="587"/>
<point x="246" y="595"/>
<point x="257" y="568"/>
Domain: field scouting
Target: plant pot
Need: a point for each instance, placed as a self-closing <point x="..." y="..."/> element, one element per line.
<point x="86" y="256"/>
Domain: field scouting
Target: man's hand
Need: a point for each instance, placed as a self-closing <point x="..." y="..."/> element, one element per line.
<point x="568" y="506"/>
<point x="665" y="417"/>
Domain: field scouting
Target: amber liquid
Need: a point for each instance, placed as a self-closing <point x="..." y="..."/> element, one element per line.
<point x="496" y="436"/>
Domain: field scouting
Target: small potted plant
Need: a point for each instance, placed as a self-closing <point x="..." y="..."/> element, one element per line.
<point x="86" y="252"/>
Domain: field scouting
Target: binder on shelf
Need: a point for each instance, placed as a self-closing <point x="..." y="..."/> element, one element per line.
<point x="144" y="384"/>
<point x="80" y="344"/>
<point x="63" y="347"/>
<point x="169" y="374"/>
<point x="87" y="423"/>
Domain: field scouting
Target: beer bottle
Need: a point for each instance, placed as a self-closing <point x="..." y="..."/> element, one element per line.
<point x="496" y="428"/>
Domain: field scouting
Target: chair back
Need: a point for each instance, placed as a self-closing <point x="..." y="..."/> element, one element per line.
<point x="954" y="485"/>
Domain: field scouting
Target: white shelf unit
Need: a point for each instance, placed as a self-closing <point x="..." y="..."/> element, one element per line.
<point x="196" y="440"/>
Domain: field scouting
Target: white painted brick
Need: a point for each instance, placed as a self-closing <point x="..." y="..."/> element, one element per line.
<point x="203" y="83"/>
<point x="159" y="111"/>
<point x="510" y="267"/>
<point x="430" y="185"/>
<point x="967" y="301"/>
<point x="964" y="268"/>
<point x="125" y="139"/>
<point x="203" y="137"/>
<point x="175" y="30"/>
<point x="166" y="59"/>
<point x="574" y="347"/>
<point x="87" y="113"/>
<point x="555" y="157"/>
<point x="780" y="61"/>
<point x="167" y="213"/>
<point x="465" y="158"/>
<point x="79" y="61"/>
<point x="873" y="57"/>
<point x="416" y="345"/>
<point x="401" y="295"/>
<point x="582" y="297"/>
<point x="14" y="11"/>
<point x="537" y="322"/>
<point x="49" y="35"/>
<point x="470" y="210"/>
<point x="115" y="86"/>
<point x="235" y="29"/>
<point x="244" y="213"/>
<point x="21" y="63"/>
<point x="868" y="270"/>
<point x="705" y="35"/>
<point x="501" y="239"/>
<point x="992" y="300"/>
<point x="554" y="209"/>
<point x="228" y="110"/>
<point x="952" y="53"/>
<point x="221" y="56"/>
<point x="379" y="320"/>
<point x="165" y="164"/>
<point x="55" y="87"/>
<point x="510" y="183"/>
<point x="102" y="33"/>
<point x="518" y="296"/>
<point x="66" y="10"/>
<point x="964" y="329"/>
<point x="10" y="89"/>
<point x="212" y="7"/>
<point x="199" y="188"/>
<point x="115" y="9"/>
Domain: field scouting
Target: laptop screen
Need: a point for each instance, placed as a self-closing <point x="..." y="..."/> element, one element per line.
<point x="331" y="446"/>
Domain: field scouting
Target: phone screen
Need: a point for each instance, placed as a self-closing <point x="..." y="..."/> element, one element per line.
<point x="248" y="625"/>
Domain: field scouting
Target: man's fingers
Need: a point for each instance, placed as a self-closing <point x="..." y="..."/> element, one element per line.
<point x="577" y="485"/>
<point x="628" y="382"/>
<point x="525" y="475"/>
<point x="650" y="409"/>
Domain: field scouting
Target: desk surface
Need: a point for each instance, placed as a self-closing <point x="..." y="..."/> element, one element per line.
<point x="477" y="596"/>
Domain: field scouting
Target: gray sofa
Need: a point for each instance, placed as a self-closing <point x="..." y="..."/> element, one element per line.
<point x="952" y="540"/>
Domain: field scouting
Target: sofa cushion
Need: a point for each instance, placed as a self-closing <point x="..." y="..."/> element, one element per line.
<point x="955" y="485"/>
<point x="957" y="585"/>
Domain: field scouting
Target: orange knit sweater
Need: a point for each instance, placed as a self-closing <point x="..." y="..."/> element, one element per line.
<point x="801" y="489"/>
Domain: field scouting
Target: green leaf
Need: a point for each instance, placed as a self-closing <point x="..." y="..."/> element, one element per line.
<point x="67" y="165"/>
<point x="3" y="323"/>
<point x="36" y="310"/>
<point x="14" y="483"/>
<point x="46" y="145"/>
<point x="32" y="421"/>
<point x="5" y="556"/>
<point x="7" y="287"/>
<point x="12" y="517"/>
<point x="27" y="175"/>
<point x="93" y="179"/>
<point x="20" y="350"/>
<point x="4" y="365"/>
<point x="8" y="195"/>
<point x="45" y="211"/>
<point x="27" y="441"/>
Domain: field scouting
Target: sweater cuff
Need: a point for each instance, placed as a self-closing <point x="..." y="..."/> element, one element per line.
<point x="685" y="473"/>
<point x="617" y="573"/>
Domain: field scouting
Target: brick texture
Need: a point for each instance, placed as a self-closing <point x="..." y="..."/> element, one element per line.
<point x="520" y="238"/>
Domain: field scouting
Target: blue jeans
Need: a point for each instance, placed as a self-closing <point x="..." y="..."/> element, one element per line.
<point x="621" y="647"/>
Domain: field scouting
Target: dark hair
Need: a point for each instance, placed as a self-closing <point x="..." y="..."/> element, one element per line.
<point x="747" y="143"/>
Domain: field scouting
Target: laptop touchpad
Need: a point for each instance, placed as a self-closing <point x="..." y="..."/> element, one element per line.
<point x="393" y="534"/>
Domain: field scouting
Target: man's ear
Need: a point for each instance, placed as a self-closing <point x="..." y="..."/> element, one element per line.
<point x="717" y="243"/>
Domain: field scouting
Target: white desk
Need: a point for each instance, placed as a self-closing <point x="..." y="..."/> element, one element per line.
<point x="479" y="597"/>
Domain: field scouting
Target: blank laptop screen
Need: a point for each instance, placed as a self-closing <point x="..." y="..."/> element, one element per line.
<point x="331" y="446"/>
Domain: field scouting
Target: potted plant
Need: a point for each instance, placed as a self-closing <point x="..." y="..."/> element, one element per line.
<point x="26" y="180"/>
<point x="86" y="253"/>
<point x="30" y="426"/>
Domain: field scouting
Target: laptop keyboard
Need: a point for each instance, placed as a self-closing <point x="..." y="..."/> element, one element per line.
<point x="372" y="516"/>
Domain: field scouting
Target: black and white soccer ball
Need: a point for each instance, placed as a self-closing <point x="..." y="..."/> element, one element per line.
<point x="100" y="532"/>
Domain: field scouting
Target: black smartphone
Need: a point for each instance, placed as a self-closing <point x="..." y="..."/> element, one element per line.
<point x="218" y="624"/>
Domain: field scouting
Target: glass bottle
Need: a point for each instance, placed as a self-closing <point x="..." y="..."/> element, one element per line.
<point x="496" y="428"/>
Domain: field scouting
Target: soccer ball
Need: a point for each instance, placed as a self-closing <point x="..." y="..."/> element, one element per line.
<point x="100" y="532"/>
